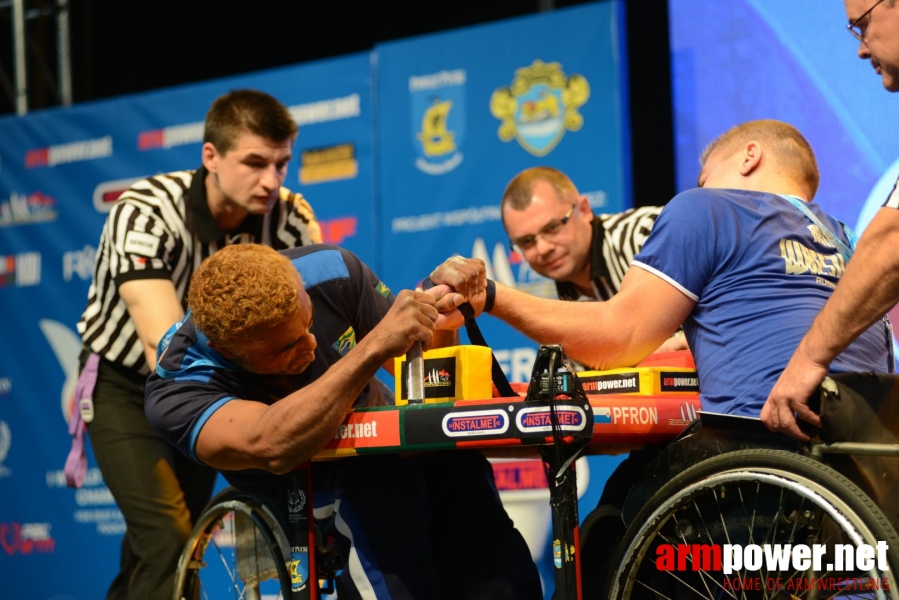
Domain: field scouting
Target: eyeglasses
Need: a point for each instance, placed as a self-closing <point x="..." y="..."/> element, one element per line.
<point x="858" y="31"/>
<point x="549" y="231"/>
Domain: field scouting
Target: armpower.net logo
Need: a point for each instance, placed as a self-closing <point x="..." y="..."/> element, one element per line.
<point x="778" y="566"/>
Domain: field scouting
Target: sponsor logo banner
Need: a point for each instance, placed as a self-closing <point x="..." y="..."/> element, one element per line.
<point x="324" y="111"/>
<point x="438" y="120"/>
<point x="169" y="137"/>
<point x="69" y="153"/>
<point x="679" y="382"/>
<point x="20" y="209"/>
<point x="107" y="193"/>
<point x="475" y="423"/>
<point x="375" y="429"/>
<point x="539" y="419"/>
<point x="26" y="538"/>
<point x="332" y="163"/>
<point x="20" y="270"/>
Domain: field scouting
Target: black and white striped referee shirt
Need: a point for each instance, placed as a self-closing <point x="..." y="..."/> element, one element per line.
<point x="617" y="238"/>
<point x="162" y="228"/>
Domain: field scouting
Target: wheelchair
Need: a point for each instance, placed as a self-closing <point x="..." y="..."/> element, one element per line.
<point x="725" y="482"/>
<point x="728" y="482"/>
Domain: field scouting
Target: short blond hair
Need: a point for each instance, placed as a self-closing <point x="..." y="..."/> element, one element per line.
<point x="520" y="190"/>
<point x="790" y="149"/>
<point x="242" y="288"/>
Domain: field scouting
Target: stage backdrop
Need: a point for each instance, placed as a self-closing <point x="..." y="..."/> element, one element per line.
<point x="793" y="61"/>
<point x="59" y="172"/>
<point x="459" y="115"/>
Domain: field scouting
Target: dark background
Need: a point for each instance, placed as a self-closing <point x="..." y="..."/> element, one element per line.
<point x="124" y="46"/>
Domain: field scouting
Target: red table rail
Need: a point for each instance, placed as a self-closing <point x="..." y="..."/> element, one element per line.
<point x="508" y="423"/>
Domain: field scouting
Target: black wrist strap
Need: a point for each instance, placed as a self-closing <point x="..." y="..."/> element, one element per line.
<point x="491" y="295"/>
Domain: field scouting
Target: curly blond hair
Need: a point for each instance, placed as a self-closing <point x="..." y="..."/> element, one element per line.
<point x="242" y="288"/>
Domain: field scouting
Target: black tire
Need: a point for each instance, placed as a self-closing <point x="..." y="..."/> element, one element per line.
<point x="208" y="567"/>
<point x="752" y="497"/>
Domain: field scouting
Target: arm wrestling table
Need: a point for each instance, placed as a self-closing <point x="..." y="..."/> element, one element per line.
<point x="555" y="420"/>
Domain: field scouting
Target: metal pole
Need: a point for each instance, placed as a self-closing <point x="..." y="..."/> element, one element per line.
<point x="63" y="52"/>
<point x="18" y="21"/>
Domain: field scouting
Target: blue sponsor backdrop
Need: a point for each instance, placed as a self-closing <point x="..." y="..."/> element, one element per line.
<point x="405" y="187"/>
<point x="59" y="171"/>
<point x="460" y="113"/>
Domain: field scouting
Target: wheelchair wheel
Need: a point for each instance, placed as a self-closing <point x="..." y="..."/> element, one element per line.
<point x="753" y="498"/>
<point x="236" y="550"/>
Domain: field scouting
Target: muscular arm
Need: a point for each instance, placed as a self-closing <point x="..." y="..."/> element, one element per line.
<point x="868" y="289"/>
<point x="604" y="335"/>
<point x="154" y="307"/>
<point x="243" y="434"/>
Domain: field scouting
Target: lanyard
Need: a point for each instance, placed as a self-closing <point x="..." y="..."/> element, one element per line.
<point x="846" y="253"/>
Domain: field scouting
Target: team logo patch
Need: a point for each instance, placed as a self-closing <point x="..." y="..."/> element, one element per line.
<point x="438" y="120"/>
<point x="540" y="106"/>
<point x="475" y="423"/>
<point x="571" y="418"/>
<point x="382" y="289"/>
<point x="144" y="244"/>
<point x="345" y="342"/>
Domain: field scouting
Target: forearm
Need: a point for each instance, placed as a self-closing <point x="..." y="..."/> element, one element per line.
<point x="868" y="289"/>
<point x="589" y="332"/>
<point x="298" y="426"/>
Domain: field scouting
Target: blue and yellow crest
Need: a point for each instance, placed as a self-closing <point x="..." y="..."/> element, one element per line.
<point x="540" y="106"/>
<point x="438" y="120"/>
<point x="345" y="342"/>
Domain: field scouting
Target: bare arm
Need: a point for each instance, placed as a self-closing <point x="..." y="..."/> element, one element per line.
<point x="605" y="335"/>
<point x="867" y="290"/>
<point x="244" y="434"/>
<point x="154" y="307"/>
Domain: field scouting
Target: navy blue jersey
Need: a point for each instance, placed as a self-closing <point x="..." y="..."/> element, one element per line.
<point x="192" y="380"/>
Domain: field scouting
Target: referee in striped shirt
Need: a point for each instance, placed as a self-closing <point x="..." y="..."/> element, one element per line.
<point x="156" y="235"/>
<point x="552" y="226"/>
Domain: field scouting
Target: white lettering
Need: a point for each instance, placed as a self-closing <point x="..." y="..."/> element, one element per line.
<point x="36" y="531"/>
<point x="94" y="497"/>
<point x="57" y="479"/>
<point x="178" y="135"/>
<point x="28" y="269"/>
<point x="326" y="110"/>
<point x="78" y="151"/>
<point x="456" y="218"/>
<point x="435" y="81"/>
<point x="357" y="430"/>
<point x="78" y="262"/>
<point x="635" y="415"/>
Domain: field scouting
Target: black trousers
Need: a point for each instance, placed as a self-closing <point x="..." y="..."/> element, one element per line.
<point x="159" y="491"/>
<point x="423" y="527"/>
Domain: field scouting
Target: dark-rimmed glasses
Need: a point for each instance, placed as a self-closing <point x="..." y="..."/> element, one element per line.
<point x="858" y="31"/>
<point x="548" y="232"/>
